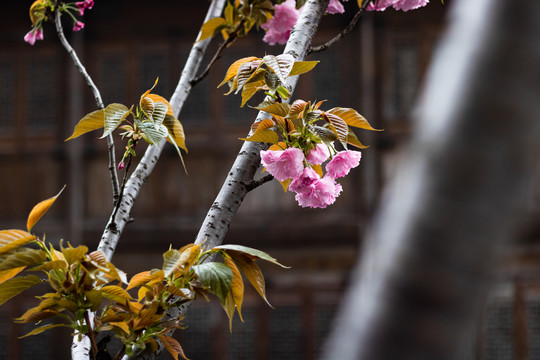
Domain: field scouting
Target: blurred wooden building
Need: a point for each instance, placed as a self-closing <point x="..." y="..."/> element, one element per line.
<point x="125" y="45"/>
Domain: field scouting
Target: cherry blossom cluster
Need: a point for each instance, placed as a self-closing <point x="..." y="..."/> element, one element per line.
<point x="278" y="28"/>
<point x="312" y="189"/>
<point x="41" y="9"/>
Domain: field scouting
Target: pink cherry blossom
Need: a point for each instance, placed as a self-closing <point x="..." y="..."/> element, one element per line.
<point x="33" y="35"/>
<point x="302" y="184"/>
<point x="335" y="7"/>
<point x="83" y="5"/>
<point x="283" y="164"/>
<point x="78" y="26"/>
<point x="278" y="28"/>
<point x="404" y="5"/>
<point x="342" y="162"/>
<point x="323" y="193"/>
<point x="318" y="155"/>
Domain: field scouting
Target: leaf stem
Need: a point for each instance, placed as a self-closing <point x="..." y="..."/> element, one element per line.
<point x="343" y="33"/>
<point x="97" y="97"/>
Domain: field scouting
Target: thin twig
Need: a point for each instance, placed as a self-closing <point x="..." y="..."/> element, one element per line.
<point x="252" y="185"/>
<point x="97" y="97"/>
<point x="91" y="334"/>
<point x="122" y="188"/>
<point x="232" y="37"/>
<point x="343" y="33"/>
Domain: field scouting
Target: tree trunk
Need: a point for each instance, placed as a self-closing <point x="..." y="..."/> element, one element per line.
<point x="457" y="195"/>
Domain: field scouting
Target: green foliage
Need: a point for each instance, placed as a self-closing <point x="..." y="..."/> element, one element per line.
<point x="251" y="74"/>
<point x="81" y="282"/>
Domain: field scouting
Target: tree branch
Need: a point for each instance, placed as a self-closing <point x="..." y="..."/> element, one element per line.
<point x="343" y="33"/>
<point x="97" y="97"/>
<point x="253" y="184"/>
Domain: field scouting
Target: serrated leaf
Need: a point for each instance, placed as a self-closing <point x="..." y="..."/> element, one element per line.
<point x="15" y="286"/>
<point x="160" y="110"/>
<point x="23" y="257"/>
<point x="297" y="107"/>
<point x="156" y="98"/>
<point x="263" y="135"/>
<point x="281" y="65"/>
<point x="249" y="72"/>
<point x="153" y="131"/>
<point x="90" y="122"/>
<point x="73" y="255"/>
<point x="250" y="89"/>
<point x="302" y="67"/>
<point x="115" y="293"/>
<point x="250" y="252"/>
<point x="176" y="130"/>
<point x="279" y="109"/>
<point x="251" y="271"/>
<point x="236" y="294"/>
<point x="40" y="209"/>
<point x="233" y="69"/>
<point x="216" y="277"/>
<point x="211" y="27"/>
<point x="353" y="140"/>
<point x="352" y="118"/>
<point x="172" y="346"/>
<point x="145" y="277"/>
<point x="36" y="314"/>
<point x="41" y="329"/>
<point x="12" y="239"/>
<point x="339" y="126"/>
<point x="114" y="114"/>
<point x="8" y="274"/>
<point x="147" y="106"/>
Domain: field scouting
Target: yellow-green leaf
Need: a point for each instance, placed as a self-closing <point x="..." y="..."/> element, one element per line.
<point x="176" y="130"/>
<point x="93" y="121"/>
<point x="251" y="253"/>
<point x="12" y="239"/>
<point x="22" y="257"/>
<point x="73" y="255"/>
<point x="267" y="136"/>
<point x="172" y="346"/>
<point x="115" y="293"/>
<point x="302" y="67"/>
<point x="233" y="69"/>
<point x="279" y="109"/>
<point x="114" y="115"/>
<point x="236" y="293"/>
<point x="41" y="329"/>
<point x="15" y="286"/>
<point x="145" y="277"/>
<point x="50" y="265"/>
<point x="94" y="297"/>
<point x="36" y="314"/>
<point x="211" y="27"/>
<point x="10" y="273"/>
<point x="352" y="118"/>
<point x="250" y="89"/>
<point x="40" y="209"/>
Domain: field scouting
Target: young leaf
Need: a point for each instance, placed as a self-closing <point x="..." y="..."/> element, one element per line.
<point x="170" y="261"/>
<point x="339" y="126"/>
<point x="36" y="314"/>
<point x="153" y="131"/>
<point x="279" y="109"/>
<point x="352" y="118"/>
<point x="145" y="277"/>
<point x="172" y="346"/>
<point x="156" y="98"/>
<point x="8" y="274"/>
<point x="297" y="107"/>
<point x="237" y="292"/>
<point x="93" y="121"/>
<point x="40" y="209"/>
<point x="160" y="110"/>
<point x="251" y="271"/>
<point x="263" y="135"/>
<point x="50" y="265"/>
<point x="246" y="72"/>
<point x="115" y="293"/>
<point x="302" y="67"/>
<point x="94" y="297"/>
<point x="250" y="252"/>
<point x="250" y="89"/>
<point x="15" y="286"/>
<point x="217" y="277"/>
<point x="353" y="140"/>
<point x="211" y="27"/>
<point x="12" y="239"/>
<point x="176" y="130"/>
<point x="41" y="329"/>
<point x="281" y="65"/>
<point x="233" y="69"/>
<point x="22" y="257"/>
<point x="73" y="255"/>
<point x="114" y="115"/>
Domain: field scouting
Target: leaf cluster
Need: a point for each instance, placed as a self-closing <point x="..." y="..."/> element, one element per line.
<point x="153" y="120"/>
<point x="251" y="74"/>
<point x="239" y="17"/>
<point x="81" y="283"/>
<point x="303" y="125"/>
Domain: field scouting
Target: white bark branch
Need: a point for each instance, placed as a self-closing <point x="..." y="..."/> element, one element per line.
<point x="457" y="196"/>
<point x="116" y="225"/>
